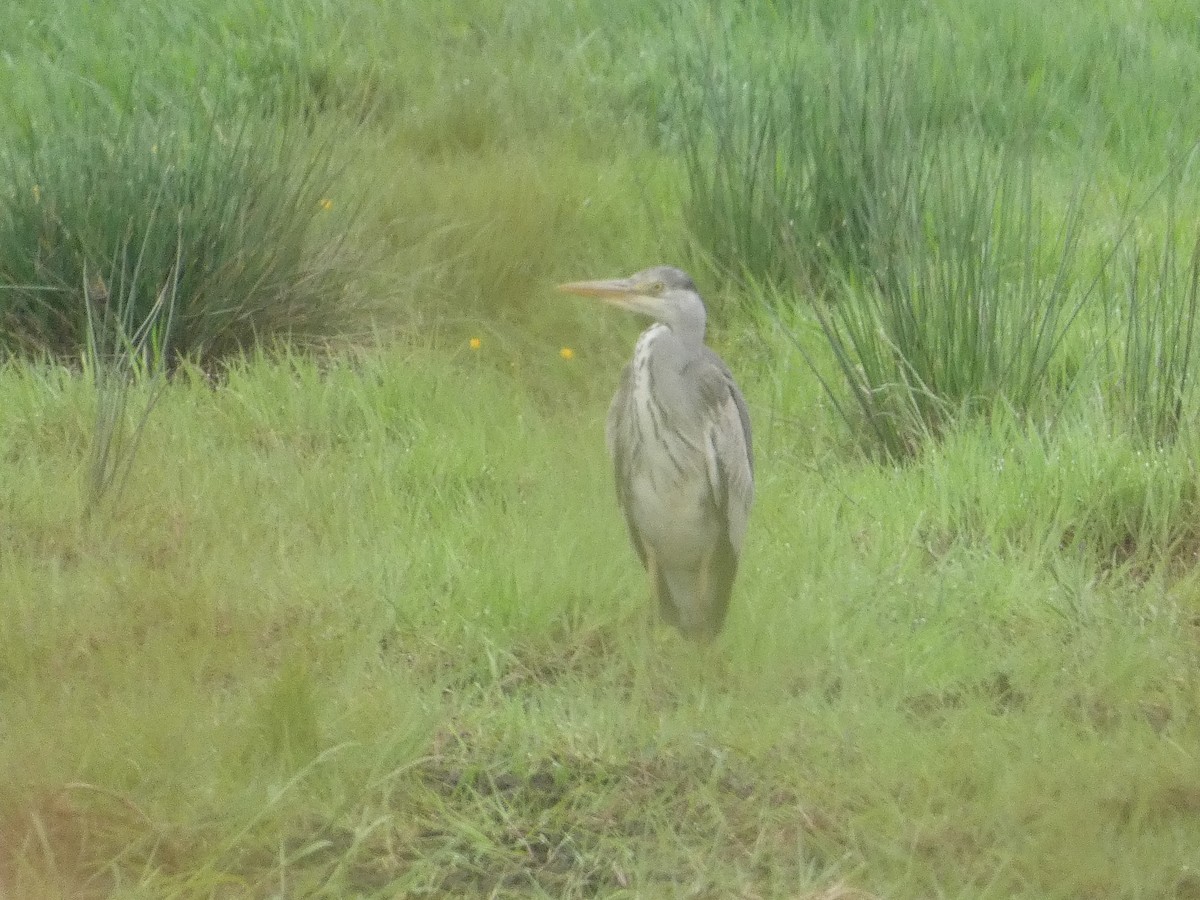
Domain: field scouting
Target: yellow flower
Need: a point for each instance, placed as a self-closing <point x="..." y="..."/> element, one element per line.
<point x="476" y="343"/>
<point x="326" y="204"/>
<point x="566" y="353"/>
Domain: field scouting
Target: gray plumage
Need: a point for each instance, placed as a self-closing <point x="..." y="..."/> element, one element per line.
<point x="678" y="433"/>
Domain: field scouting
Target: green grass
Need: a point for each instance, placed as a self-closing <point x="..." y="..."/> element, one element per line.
<point x="952" y="263"/>
<point x="373" y="626"/>
<point x="235" y="212"/>
<point x="357" y="616"/>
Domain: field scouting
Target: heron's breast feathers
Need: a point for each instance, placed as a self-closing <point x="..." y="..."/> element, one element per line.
<point x="679" y="438"/>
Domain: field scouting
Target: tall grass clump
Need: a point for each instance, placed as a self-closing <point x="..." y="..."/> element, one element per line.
<point x="967" y="304"/>
<point x="1152" y="313"/>
<point x="125" y="359"/>
<point x="791" y="115"/>
<point x="795" y="141"/>
<point x="233" y="209"/>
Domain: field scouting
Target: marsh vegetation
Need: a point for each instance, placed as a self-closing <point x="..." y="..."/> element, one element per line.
<point x="311" y="579"/>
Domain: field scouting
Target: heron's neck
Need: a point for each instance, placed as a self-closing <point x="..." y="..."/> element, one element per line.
<point x="688" y="331"/>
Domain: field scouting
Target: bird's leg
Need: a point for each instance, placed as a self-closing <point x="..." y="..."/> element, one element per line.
<point x="703" y="595"/>
<point x="652" y="565"/>
<point x="703" y="580"/>
<point x="641" y="689"/>
<point x="654" y="577"/>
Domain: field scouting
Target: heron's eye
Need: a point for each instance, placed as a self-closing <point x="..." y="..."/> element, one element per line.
<point x="657" y="288"/>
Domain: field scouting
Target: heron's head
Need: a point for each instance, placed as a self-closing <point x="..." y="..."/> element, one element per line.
<point x="663" y="293"/>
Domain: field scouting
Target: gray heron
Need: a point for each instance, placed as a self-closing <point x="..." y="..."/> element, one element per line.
<point x="678" y="432"/>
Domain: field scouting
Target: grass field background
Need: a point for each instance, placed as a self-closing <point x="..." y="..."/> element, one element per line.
<point x="312" y="582"/>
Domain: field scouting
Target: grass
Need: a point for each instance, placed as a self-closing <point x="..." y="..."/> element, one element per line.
<point x="947" y="260"/>
<point x="1159" y="331"/>
<point x="365" y="664"/>
<point x="361" y="619"/>
<point x="232" y="210"/>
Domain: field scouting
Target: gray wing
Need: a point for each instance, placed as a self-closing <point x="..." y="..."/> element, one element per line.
<point x="728" y="447"/>
<point x="620" y="435"/>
